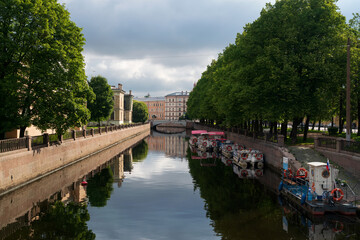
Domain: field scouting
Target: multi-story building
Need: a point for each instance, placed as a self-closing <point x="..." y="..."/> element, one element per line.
<point x="123" y="105"/>
<point x="155" y="106"/>
<point x="175" y="105"/>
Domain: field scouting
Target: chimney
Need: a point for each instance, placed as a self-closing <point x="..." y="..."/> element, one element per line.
<point x="129" y="92"/>
<point x="119" y="86"/>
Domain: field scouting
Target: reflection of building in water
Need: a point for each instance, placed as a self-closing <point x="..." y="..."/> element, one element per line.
<point x="128" y="160"/>
<point x="118" y="169"/>
<point x="156" y="143"/>
<point x="176" y="146"/>
<point x="20" y="208"/>
<point x="77" y="193"/>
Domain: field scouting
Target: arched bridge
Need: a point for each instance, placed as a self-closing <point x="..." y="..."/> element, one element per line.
<point x="154" y="123"/>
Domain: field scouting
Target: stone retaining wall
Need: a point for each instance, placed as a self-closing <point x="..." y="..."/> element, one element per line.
<point x="21" y="202"/>
<point x="22" y="166"/>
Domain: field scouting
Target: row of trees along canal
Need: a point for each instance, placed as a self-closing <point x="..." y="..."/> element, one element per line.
<point x="287" y="66"/>
<point x="42" y="76"/>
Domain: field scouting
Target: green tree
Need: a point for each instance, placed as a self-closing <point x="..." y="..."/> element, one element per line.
<point x="354" y="25"/>
<point x="285" y="66"/>
<point x="140" y="112"/>
<point x="42" y="77"/>
<point x="103" y="105"/>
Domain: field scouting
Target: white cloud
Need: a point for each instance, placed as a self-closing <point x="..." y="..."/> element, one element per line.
<point x="162" y="46"/>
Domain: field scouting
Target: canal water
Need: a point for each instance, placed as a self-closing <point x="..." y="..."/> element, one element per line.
<point x="159" y="189"/>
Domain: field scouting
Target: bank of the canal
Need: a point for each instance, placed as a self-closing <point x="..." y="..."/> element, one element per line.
<point x="22" y="166"/>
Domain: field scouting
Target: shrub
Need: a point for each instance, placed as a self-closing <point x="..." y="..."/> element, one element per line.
<point x="333" y="131"/>
<point x="357" y="138"/>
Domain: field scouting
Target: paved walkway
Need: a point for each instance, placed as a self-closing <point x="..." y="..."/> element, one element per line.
<point x="305" y="154"/>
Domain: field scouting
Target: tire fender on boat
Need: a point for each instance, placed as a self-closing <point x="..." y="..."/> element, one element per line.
<point x="339" y="191"/>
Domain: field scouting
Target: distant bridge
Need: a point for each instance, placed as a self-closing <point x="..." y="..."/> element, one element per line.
<point x="154" y="123"/>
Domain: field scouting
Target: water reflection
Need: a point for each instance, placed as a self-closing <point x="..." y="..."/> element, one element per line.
<point x="161" y="189"/>
<point x="28" y="213"/>
<point x="57" y="221"/>
<point x="246" y="205"/>
<point x="100" y="187"/>
<point x="172" y="145"/>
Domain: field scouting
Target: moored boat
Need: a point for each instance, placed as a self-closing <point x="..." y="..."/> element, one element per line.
<point x="195" y="136"/>
<point x="317" y="192"/>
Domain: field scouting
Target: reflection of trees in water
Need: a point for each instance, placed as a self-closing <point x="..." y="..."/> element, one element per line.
<point x="140" y="151"/>
<point x="100" y="187"/>
<point x="58" y="221"/>
<point x="237" y="207"/>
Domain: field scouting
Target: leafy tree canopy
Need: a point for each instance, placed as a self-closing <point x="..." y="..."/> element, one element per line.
<point x="42" y="77"/>
<point x="103" y="105"/>
<point x="140" y="112"/>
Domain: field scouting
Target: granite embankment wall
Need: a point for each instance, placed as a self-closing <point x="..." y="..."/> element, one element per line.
<point x="19" y="167"/>
<point x="23" y="202"/>
<point x="273" y="153"/>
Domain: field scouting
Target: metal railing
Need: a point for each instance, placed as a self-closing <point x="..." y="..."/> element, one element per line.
<point x="88" y="132"/>
<point x="327" y="143"/>
<point x="37" y="140"/>
<point x="79" y="133"/>
<point x="67" y="135"/>
<point x="12" y="144"/>
<point x="46" y="139"/>
<point x="350" y="146"/>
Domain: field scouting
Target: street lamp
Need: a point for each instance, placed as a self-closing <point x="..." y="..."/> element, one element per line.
<point x="348" y="115"/>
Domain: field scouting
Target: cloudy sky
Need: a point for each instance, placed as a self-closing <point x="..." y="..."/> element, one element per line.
<point x="162" y="46"/>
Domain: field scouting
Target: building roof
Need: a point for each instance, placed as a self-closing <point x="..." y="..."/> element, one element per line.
<point x="182" y="93"/>
<point x="150" y="99"/>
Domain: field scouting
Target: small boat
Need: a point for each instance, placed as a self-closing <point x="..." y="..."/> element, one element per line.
<point x="208" y="140"/>
<point x="317" y="192"/>
<point x="253" y="158"/>
<point x="195" y="136"/>
<point x="247" y="172"/>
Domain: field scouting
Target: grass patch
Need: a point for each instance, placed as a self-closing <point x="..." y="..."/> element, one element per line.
<point x="299" y="141"/>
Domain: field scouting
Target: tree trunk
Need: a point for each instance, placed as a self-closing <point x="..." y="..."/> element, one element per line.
<point x="283" y="130"/>
<point x="313" y="126"/>
<point x="271" y="128"/>
<point x="275" y="129"/>
<point x="261" y="126"/>
<point x="293" y="134"/>
<point x="319" y="125"/>
<point x="358" y="116"/>
<point x="256" y="125"/>
<point x="340" y="114"/>
<point x="332" y="121"/>
<point x="306" y="128"/>
<point x="22" y="131"/>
